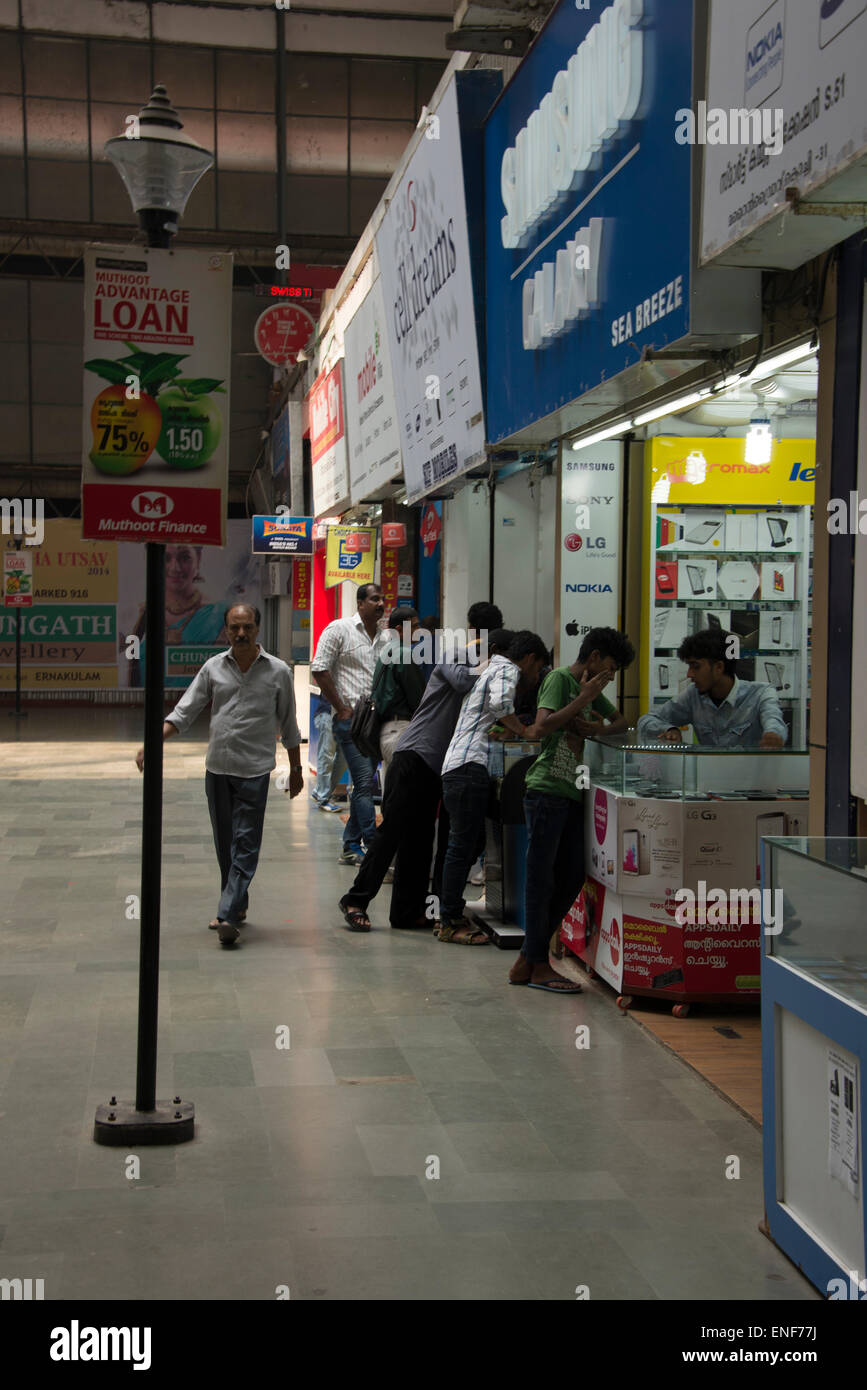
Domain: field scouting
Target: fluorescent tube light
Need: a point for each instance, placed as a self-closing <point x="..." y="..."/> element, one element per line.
<point x="610" y="433"/>
<point x="672" y="407"/>
<point x="782" y="359"/>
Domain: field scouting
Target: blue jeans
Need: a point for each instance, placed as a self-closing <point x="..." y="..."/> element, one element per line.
<point x="465" y="797"/>
<point x="330" y="761"/>
<point x="362" y="816"/>
<point x="555" y="867"/>
<point x="237" y="807"/>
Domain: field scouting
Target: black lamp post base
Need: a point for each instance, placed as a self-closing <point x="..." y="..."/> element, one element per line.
<point x="120" y="1124"/>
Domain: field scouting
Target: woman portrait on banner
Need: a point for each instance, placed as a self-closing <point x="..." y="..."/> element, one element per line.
<point x="191" y="619"/>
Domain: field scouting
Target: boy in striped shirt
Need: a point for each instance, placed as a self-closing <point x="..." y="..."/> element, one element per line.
<point x="465" y="780"/>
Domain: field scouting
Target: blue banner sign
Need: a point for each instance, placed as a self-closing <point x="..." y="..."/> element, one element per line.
<point x="282" y="535"/>
<point x="587" y="206"/>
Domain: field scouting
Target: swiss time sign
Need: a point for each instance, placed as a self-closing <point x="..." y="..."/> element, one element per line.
<point x="587" y="199"/>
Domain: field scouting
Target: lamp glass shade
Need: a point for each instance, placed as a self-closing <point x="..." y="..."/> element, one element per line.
<point x="159" y="171"/>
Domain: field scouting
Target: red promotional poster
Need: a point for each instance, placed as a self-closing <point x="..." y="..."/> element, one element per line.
<point x="157" y="364"/>
<point x="328" y="453"/>
<point x="301" y="586"/>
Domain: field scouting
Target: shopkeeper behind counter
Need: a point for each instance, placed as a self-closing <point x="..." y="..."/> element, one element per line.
<point x="724" y="712"/>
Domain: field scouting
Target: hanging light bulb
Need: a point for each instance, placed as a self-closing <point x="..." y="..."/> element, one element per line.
<point x="759" y="442"/>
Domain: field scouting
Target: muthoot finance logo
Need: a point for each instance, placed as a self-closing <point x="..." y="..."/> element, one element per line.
<point x="152" y="504"/>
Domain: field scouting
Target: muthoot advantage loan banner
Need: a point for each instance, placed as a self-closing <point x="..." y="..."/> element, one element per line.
<point x="157" y="350"/>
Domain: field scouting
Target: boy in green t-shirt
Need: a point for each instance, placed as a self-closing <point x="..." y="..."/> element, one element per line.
<point x="553" y="800"/>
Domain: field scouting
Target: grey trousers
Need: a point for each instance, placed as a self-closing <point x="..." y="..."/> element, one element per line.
<point x="237" y="807"/>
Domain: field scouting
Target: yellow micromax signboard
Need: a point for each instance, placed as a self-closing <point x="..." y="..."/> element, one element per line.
<point x="706" y="471"/>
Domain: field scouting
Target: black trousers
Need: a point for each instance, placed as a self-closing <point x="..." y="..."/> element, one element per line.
<point x="409" y="807"/>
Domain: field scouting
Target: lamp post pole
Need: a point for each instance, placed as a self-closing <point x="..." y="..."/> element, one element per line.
<point x="160" y="168"/>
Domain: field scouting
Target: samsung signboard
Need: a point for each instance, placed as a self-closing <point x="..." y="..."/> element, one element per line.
<point x="587" y="206"/>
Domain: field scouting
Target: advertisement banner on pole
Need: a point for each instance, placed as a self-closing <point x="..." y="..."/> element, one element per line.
<point x="157" y="365"/>
<point x="350" y="554"/>
<point x="17" y="579"/>
<point x="423" y="249"/>
<point x="371" y="411"/>
<point x="328" y="453"/>
<point x="784" y="109"/>
<point x="590" y="493"/>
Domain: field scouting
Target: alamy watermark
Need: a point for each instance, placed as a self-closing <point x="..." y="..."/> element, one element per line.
<point x="23" y="517"/>
<point x="457" y="646"/>
<point x="760" y="126"/>
<point x="725" y="908"/>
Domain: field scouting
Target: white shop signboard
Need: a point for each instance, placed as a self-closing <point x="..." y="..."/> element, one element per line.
<point x="800" y="65"/>
<point x="371" y="409"/>
<point x="424" y="253"/>
<point x="590" y="501"/>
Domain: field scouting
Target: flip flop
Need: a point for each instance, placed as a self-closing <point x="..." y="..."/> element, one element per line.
<point x="356" y="918"/>
<point x="552" y="987"/>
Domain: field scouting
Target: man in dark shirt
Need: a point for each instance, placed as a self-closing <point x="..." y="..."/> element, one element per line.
<point x="412" y="795"/>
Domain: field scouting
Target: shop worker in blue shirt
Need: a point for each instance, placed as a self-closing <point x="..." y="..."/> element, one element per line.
<point x="252" y="696"/>
<point x="724" y="712"/>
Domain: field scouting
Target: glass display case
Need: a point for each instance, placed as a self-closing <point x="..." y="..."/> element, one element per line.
<point x="830" y="948"/>
<point x="689" y="772"/>
<point x="814" y="1050"/>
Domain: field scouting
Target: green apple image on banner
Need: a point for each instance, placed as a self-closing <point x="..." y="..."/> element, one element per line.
<point x="192" y="422"/>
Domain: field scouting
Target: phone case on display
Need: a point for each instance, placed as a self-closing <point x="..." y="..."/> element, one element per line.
<point x="703" y="532"/>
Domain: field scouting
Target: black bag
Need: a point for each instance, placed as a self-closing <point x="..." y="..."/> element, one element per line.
<point x="365" y="727"/>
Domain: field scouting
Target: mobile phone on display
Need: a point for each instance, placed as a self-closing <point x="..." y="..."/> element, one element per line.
<point x="664" y="582"/>
<point x="779" y="582"/>
<point x="774" y="673"/>
<point x="776" y="629"/>
<point x="629" y="858"/>
<point x="663" y="676"/>
<point x="778" y="528"/>
<point x="771" y="823"/>
<point x="701" y="534"/>
<point x="697" y="578"/>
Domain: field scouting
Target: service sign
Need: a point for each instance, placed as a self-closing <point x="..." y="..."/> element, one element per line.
<point x="423" y="249"/>
<point x="328" y="452"/>
<point x="282" y="535"/>
<point x="371" y="411"/>
<point x="800" y="66"/>
<point x="157" y="350"/>
<point x="587" y="199"/>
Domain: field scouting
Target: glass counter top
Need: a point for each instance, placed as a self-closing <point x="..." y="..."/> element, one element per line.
<point x="689" y="771"/>
<point x="824" y="885"/>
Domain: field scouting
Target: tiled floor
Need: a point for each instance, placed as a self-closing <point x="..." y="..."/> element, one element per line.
<point x="314" y="1166"/>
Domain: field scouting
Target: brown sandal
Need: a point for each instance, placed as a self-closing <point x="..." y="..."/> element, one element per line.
<point x="463" y="933"/>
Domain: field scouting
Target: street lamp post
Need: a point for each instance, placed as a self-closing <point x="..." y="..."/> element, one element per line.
<point x="160" y="167"/>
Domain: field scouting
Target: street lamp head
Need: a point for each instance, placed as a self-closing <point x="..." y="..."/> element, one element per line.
<point x="159" y="165"/>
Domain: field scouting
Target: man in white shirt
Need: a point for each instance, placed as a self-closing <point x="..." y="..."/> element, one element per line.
<point x="252" y="695"/>
<point x="465" y="780"/>
<point x="343" y="667"/>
